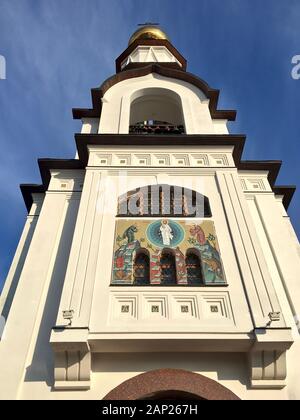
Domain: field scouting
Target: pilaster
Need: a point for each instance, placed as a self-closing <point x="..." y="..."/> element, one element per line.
<point x="257" y="281"/>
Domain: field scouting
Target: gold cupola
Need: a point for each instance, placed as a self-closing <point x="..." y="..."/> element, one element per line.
<point x="148" y="32"/>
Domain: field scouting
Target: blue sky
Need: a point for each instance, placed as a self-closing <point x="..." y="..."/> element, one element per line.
<point x="56" y="50"/>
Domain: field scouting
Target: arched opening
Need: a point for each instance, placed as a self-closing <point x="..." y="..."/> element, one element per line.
<point x="171" y="395"/>
<point x="156" y="111"/>
<point x="193" y="267"/>
<point x="168" y="268"/>
<point x="141" y="268"/>
<point x="163" y="200"/>
<point x="173" y="383"/>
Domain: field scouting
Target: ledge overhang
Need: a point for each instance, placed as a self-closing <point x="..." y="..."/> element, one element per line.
<point x="166" y="71"/>
<point x="85" y="140"/>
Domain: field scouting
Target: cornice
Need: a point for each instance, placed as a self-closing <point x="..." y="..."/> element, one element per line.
<point x="85" y="140"/>
<point x="166" y="71"/>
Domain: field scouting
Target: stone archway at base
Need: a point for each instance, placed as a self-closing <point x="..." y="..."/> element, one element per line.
<point x="170" y="383"/>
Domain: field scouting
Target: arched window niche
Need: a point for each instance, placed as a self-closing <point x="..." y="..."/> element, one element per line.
<point x="194" y="267"/>
<point x="141" y="268"/>
<point x="168" y="272"/>
<point x="155" y="246"/>
<point x="156" y="111"/>
<point x="163" y="200"/>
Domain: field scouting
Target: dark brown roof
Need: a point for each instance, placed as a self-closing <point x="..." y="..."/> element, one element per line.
<point x="167" y="71"/>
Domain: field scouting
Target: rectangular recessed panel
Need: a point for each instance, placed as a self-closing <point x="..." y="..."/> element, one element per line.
<point x="216" y="307"/>
<point x="185" y="307"/>
<point x="123" y="308"/>
<point x="154" y="307"/>
<point x="178" y="312"/>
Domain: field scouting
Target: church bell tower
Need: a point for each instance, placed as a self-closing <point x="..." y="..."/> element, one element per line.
<point x="157" y="254"/>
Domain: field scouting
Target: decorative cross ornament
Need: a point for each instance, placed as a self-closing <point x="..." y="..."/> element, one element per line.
<point x="148" y="24"/>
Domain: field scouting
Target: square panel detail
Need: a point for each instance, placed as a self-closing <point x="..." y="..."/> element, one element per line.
<point x="219" y="160"/>
<point x="122" y="160"/>
<point x="124" y="308"/>
<point x="103" y="159"/>
<point x="184" y="307"/>
<point x="200" y="159"/>
<point x="154" y="307"/>
<point x="216" y="307"/>
<point x="142" y="160"/>
<point x="180" y="160"/>
<point x="162" y="160"/>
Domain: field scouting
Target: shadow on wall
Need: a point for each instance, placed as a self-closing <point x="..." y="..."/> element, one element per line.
<point x="42" y="366"/>
<point x="18" y="270"/>
<point x="228" y="366"/>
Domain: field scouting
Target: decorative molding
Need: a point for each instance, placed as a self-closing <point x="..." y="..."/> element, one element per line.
<point x="138" y="158"/>
<point x="149" y="54"/>
<point x="218" y="159"/>
<point x="154" y="44"/>
<point x="185" y="307"/>
<point x="254" y="184"/>
<point x="201" y="306"/>
<point x="157" y="381"/>
<point x="162" y="157"/>
<point x="122" y="159"/>
<point x="268" y="369"/>
<point x="180" y="159"/>
<point x="72" y="370"/>
<point x="156" y="170"/>
<point x="243" y="184"/>
<point x="154" y="307"/>
<point x="102" y="159"/>
<point x="152" y="159"/>
<point x="124" y="308"/>
<point x="200" y="159"/>
<point x="66" y="180"/>
<point x="217" y="306"/>
<point x="72" y="358"/>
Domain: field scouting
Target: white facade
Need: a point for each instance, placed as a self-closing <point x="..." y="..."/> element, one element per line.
<point x="117" y="102"/>
<point x="250" y="345"/>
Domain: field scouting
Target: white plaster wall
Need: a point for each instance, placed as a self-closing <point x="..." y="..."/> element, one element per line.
<point x="19" y="259"/>
<point x="109" y="370"/>
<point x="281" y="249"/>
<point x="26" y="359"/>
<point x="115" y="116"/>
<point x="102" y="291"/>
<point x="24" y="349"/>
<point x="90" y="125"/>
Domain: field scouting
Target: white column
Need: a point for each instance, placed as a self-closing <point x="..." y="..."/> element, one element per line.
<point x="16" y="267"/>
<point x="80" y="276"/>
<point x="23" y="319"/>
<point x="257" y="280"/>
<point x="284" y="247"/>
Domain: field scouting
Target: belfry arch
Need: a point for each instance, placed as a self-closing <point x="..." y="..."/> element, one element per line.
<point x="170" y="384"/>
<point x="159" y="110"/>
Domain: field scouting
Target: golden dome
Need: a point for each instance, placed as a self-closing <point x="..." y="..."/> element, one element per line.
<point x="148" y="32"/>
